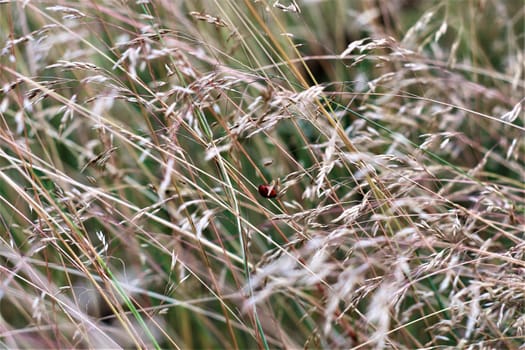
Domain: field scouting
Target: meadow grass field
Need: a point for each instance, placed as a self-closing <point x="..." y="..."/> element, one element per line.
<point x="260" y="174"/>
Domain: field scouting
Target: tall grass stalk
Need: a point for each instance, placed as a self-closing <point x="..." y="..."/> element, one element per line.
<point x="262" y="174"/>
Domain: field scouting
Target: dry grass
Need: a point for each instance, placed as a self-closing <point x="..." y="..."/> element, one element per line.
<point x="135" y="135"/>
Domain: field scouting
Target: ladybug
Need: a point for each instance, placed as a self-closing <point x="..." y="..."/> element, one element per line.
<point x="268" y="191"/>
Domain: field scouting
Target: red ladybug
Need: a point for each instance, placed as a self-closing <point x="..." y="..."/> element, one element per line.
<point x="268" y="191"/>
